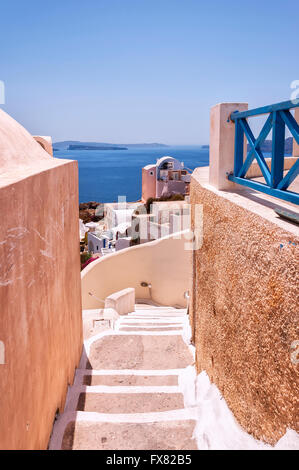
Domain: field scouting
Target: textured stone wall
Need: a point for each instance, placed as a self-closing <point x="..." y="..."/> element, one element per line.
<point x="244" y="312"/>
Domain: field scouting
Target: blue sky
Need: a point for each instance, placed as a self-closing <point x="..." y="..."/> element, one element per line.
<point x="142" y="70"/>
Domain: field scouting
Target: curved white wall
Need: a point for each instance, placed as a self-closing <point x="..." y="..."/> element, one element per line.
<point x="164" y="263"/>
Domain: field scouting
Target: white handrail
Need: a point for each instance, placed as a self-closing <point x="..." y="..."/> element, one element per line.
<point x="99" y="300"/>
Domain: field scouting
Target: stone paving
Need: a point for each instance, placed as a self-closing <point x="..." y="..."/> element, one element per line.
<point x="126" y="393"/>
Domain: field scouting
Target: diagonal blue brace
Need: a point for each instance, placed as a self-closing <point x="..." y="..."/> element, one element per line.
<point x="257" y="152"/>
<point x="251" y="155"/>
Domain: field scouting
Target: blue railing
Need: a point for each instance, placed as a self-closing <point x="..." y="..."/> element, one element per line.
<point x="276" y="182"/>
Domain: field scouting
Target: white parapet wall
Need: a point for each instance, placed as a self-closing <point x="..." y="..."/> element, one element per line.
<point x="165" y="264"/>
<point x="123" y="301"/>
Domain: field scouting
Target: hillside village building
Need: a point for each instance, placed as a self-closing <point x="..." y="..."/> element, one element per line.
<point x="165" y="178"/>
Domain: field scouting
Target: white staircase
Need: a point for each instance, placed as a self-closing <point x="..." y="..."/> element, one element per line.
<point x="127" y="395"/>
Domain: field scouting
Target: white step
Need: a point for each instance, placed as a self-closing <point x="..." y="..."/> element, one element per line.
<point x="176" y="321"/>
<point x="89" y="430"/>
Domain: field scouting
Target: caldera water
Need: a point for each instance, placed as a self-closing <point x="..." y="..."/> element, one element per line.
<point x="106" y="174"/>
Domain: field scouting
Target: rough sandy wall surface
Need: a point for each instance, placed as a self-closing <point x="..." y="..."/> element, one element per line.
<point x="245" y="313"/>
<point x="40" y="300"/>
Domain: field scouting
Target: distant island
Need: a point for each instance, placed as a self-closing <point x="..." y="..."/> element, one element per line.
<point x="78" y="145"/>
<point x="95" y="147"/>
<point x="64" y="145"/>
<point x="267" y="146"/>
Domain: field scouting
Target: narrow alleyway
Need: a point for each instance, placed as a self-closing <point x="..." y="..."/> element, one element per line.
<point x="127" y="393"/>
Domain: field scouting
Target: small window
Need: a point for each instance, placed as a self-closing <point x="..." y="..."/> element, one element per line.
<point x="152" y="173"/>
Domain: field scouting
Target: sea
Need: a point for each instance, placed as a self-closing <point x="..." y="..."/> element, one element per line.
<point x="104" y="175"/>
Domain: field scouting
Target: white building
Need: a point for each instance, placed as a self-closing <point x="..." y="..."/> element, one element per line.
<point x="119" y="213"/>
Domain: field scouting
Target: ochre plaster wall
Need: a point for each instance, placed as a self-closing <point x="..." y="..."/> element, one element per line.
<point x="148" y="183"/>
<point x="40" y="291"/>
